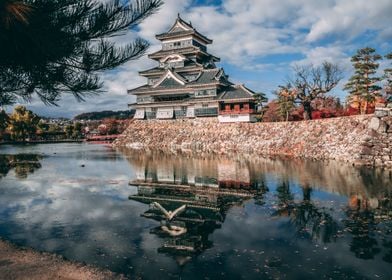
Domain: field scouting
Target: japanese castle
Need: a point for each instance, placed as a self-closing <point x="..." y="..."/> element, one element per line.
<point x="188" y="84"/>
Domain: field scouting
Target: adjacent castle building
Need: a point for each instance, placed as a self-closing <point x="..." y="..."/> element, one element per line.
<point x="188" y="84"/>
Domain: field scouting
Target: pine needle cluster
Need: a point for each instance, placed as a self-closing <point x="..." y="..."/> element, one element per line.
<point x="55" y="47"/>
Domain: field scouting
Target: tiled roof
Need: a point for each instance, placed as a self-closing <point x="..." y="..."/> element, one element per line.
<point x="164" y="86"/>
<point x="169" y="83"/>
<point x="186" y="50"/>
<point x="156" y="70"/>
<point x="179" y="32"/>
<point x="236" y="92"/>
<point x="182" y="28"/>
<point x="141" y="88"/>
<point x="209" y="76"/>
<point x="206" y="77"/>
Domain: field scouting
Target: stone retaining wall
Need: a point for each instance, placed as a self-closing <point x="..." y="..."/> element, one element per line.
<point x="362" y="140"/>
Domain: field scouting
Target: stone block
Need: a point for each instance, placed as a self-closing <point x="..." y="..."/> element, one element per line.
<point x="386" y="158"/>
<point x="381" y="112"/>
<point x="378" y="125"/>
<point x="374" y="123"/>
<point x="366" y="150"/>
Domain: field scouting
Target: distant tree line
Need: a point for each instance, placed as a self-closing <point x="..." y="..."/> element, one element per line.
<point x="23" y="125"/>
<point x="118" y="115"/>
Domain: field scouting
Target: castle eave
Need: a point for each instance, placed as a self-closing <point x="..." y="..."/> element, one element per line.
<point x="162" y="53"/>
<point x="188" y="50"/>
<point x="234" y="100"/>
<point x="180" y="34"/>
<point x="160" y="71"/>
<point x="157" y="91"/>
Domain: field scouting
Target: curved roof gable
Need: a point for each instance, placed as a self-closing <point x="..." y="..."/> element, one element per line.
<point x="173" y="57"/>
<point x="169" y="78"/>
<point x="180" y="29"/>
<point x="180" y="25"/>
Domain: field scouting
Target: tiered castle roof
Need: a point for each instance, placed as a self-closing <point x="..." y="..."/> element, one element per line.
<point x="185" y="66"/>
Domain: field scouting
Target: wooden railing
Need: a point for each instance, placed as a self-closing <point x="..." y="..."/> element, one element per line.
<point x="206" y="112"/>
<point x="180" y="113"/>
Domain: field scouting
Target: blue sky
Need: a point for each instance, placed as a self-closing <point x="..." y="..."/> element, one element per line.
<point x="258" y="42"/>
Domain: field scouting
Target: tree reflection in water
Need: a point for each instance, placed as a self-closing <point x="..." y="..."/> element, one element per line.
<point x="22" y="164"/>
<point x="310" y="221"/>
<point x="388" y="255"/>
<point x="362" y="226"/>
<point x="369" y="223"/>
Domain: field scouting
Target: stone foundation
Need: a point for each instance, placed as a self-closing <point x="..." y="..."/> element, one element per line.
<point x="362" y="140"/>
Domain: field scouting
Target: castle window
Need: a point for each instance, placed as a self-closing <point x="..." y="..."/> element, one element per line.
<point x="208" y="92"/>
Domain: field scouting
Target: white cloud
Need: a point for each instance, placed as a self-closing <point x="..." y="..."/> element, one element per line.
<point x="350" y="18"/>
<point x="318" y="55"/>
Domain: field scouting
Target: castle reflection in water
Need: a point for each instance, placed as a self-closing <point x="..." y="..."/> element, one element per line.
<point x="209" y="187"/>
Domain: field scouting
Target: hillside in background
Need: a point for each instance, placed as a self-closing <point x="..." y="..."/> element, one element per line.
<point x="118" y="115"/>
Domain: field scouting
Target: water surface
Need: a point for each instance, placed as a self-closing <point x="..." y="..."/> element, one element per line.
<point x="245" y="218"/>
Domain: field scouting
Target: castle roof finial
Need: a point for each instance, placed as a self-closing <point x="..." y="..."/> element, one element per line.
<point x="178" y="15"/>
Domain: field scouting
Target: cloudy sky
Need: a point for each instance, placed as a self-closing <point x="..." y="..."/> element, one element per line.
<point x="258" y="42"/>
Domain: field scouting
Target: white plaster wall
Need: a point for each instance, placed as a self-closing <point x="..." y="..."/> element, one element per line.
<point x="235" y="118"/>
<point x="139" y="114"/>
<point x="165" y="113"/>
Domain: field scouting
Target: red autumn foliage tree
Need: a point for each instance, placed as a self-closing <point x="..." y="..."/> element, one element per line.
<point x="272" y="113"/>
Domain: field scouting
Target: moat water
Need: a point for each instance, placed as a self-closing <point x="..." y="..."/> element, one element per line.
<point x="245" y="218"/>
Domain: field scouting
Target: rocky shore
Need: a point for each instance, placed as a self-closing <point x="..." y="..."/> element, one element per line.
<point x="362" y="140"/>
<point x="21" y="263"/>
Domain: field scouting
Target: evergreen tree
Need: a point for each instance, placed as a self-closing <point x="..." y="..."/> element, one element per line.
<point x="260" y="99"/>
<point x="68" y="131"/>
<point x="55" y="47"/>
<point x="388" y="79"/>
<point x="260" y="108"/>
<point x="42" y="126"/>
<point x="362" y="86"/>
<point x="4" y="119"/>
<point x="77" y="131"/>
<point x="285" y="102"/>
